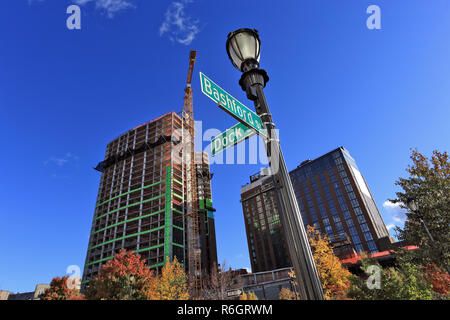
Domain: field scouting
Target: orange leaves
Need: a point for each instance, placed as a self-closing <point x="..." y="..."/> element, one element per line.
<point x="440" y="280"/>
<point x="170" y="285"/>
<point x="333" y="275"/>
<point x="286" y="294"/>
<point x="59" y="290"/>
<point x="248" y="296"/>
<point x="127" y="277"/>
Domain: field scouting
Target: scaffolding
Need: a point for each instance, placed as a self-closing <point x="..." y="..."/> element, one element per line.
<point x="148" y="198"/>
<point x="140" y="198"/>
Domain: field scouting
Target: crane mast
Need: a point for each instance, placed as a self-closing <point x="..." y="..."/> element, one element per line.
<point x="193" y="236"/>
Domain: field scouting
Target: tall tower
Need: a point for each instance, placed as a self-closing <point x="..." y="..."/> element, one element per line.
<point x="148" y="197"/>
<point x="332" y="195"/>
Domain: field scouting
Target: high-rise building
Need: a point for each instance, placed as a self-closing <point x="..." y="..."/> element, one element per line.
<point x="141" y="203"/>
<point x="333" y="196"/>
<point x="265" y="236"/>
<point x="206" y="212"/>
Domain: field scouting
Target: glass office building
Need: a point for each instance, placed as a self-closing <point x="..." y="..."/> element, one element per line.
<point x="265" y="236"/>
<point x="333" y="196"/>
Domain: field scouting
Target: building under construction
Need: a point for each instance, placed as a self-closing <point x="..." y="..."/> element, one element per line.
<point x="155" y="197"/>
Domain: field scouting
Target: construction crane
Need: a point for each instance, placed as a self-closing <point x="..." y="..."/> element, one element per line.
<point x="193" y="236"/>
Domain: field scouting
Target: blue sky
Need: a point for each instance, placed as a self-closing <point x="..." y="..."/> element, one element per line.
<point x="64" y="94"/>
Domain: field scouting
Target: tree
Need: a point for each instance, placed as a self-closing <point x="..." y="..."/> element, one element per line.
<point x="61" y="289"/>
<point x="125" y="277"/>
<point x="429" y="187"/>
<point x="170" y="285"/>
<point x="220" y="280"/>
<point x="248" y="296"/>
<point x="333" y="276"/>
<point x="404" y="283"/>
<point x="286" y="294"/>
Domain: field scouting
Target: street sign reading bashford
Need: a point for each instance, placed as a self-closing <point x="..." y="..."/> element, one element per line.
<point x="231" y="137"/>
<point x="230" y="105"/>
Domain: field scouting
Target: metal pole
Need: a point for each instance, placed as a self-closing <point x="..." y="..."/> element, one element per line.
<point x="253" y="82"/>
<point x="426" y="229"/>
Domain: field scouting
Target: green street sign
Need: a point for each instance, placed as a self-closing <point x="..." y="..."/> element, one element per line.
<point x="231" y="137"/>
<point x="230" y="105"/>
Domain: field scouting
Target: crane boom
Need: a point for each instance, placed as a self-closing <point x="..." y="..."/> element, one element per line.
<point x="193" y="242"/>
<point x="192" y="56"/>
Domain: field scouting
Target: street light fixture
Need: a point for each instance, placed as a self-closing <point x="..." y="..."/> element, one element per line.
<point x="413" y="207"/>
<point x="243" y="48"/>
<point x="412" y="204"/>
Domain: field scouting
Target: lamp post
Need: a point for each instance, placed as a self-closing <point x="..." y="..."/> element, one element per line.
<point x="243" y="48"/>
<point x="412" y="205"/>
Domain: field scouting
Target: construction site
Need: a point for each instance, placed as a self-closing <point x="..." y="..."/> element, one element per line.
<point x="155" y="197"/>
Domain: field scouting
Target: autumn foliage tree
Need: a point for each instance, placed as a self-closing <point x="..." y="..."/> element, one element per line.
<point x="61" y="288"/>
<point x="286" y="294"/>
<point x="440" y="280"/>
<point x="170" y="285"/>
<point x="248" y="296"/>
<point x="126" y="277"/>
<point x="333" y="276"/>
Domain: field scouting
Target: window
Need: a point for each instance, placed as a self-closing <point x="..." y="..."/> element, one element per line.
<point x="364" y="227"/>
<point x="372" y="246"/>
<point x="361" y="219"/>
<point x="350" y="223"/>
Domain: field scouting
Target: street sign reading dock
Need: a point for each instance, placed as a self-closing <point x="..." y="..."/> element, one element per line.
<point x="231" y="137"/>
<point x="231" y="105"/>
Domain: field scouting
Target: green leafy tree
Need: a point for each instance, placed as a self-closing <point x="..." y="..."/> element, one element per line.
<point x="405" y="283"/>
<point x="428" y="189"/>
<point x="126" y="277"/>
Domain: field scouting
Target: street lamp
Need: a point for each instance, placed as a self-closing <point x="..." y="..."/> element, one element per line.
<point x="243" y="48"/>
<point x="414" y="208"/>
<point x="412" y="205"/>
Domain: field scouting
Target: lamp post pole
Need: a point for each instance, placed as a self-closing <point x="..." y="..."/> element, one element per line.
<point x="413" y="207"/>
<point x="253" y="81"/>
